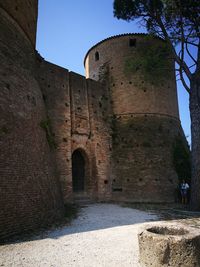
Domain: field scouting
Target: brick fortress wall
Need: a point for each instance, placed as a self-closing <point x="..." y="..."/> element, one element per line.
<point x="24" y="13"/>
<point x="29" y="190"/>
<point x="78" y="109"/>
<point x="145" y="122"/>
<point x="123" y="125"/>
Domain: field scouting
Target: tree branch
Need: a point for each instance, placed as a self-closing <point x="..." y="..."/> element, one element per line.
<point x="176" y="57"/>
<point x="195" y="61"/>
<point x="183" y="81"/>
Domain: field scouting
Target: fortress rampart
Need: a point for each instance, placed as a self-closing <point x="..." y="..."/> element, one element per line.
<point x="30" y="195"/>
<point x="131" y="91"/>
<point x="146" y="119"/>
<point x="64" y="137"/>
<point x="24" y="14"/>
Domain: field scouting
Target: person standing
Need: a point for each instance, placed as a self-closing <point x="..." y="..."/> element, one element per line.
<point x="184" y="192"/>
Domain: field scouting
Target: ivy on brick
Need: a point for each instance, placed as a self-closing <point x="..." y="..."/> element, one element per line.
<point x="4" y="130"/>
<point x="181" y="160"/>
<point x="46" y="125"/>
<point x="151" y="60"/>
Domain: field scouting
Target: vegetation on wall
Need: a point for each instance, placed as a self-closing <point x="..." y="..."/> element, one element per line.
<point x="181" y="160"/>
<point x="103" y="72"/>
<point x="46" y="125"/>
<point x="4" y="130"/>
<point x="150" y="60"/>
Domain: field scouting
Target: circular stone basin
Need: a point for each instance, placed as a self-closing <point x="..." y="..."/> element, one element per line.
<point x="169" y="245"/>
<point x="167" y="231"/>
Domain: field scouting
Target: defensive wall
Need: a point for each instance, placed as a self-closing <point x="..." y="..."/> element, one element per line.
<point x="146" y="119"/>
<point x="29" y="189"/>
<point x="108" y="136"/>
<point x="78" y="109"/>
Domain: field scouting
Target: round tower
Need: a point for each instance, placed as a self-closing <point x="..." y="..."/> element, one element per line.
<point x="24" y="13"/>
<point x="139" y="71"/>
<point x="30" y="194"/>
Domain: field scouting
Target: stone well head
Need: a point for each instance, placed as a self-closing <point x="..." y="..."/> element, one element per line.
<point x="169" y="245"/>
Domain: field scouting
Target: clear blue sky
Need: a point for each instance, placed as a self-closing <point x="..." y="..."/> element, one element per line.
<point x="68" y="28"/>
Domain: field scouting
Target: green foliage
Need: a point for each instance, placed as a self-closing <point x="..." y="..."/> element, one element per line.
<point x="181" y="159"/>
<point x="4" y="130"/>
<point x="146" y="144"/>
<point x="174" y="15"/>
<point x="114" y="128"/>
<point x="46" y="125"/>
<point x="150" y="60"/>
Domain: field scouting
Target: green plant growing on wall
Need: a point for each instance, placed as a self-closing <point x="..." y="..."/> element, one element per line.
<point x="150" y="60"/>
<point x="181" y="160"/>
<point x="46" y="125"/>
<point x="4" y="130"/>
<point x="103" y="72"/>
<point x="146" y="144"/>
<point x="114" y="132"/>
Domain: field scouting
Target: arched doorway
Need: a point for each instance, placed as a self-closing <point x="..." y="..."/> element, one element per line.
<point x="78" y="171"/>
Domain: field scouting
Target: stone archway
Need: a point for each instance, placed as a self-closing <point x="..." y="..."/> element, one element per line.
<point x="78" y="171"/>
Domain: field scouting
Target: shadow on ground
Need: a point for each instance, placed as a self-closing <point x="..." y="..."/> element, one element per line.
<point x="103" y="216"/>
<point x="100" y="216"/>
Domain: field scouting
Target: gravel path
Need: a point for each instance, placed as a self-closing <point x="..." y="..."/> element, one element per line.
<point x="103" y="235"/>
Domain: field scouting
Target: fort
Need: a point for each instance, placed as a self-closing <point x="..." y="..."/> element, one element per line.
<point x="108" y="136"/>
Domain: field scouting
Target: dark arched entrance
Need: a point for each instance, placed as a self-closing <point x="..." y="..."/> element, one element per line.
<point x="78" y="171"/>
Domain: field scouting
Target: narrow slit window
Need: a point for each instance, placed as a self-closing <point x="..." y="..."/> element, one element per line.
<point x="132" y="42"/>
<point x="96" y="56"/>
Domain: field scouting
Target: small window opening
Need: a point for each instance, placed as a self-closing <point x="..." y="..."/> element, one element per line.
<point x="132" y="42"/>
<point x="96" y="56"/>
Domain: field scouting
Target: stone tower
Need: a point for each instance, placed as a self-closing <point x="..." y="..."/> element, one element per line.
<point x="146" y="119"/>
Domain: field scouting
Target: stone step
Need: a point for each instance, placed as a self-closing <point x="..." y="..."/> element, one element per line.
<point x="82" y="199"/>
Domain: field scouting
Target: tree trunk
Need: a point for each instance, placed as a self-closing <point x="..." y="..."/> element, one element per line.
<point x="195" y="136"/>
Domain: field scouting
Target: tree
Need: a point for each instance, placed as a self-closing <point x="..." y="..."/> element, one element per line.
<point x="178" y="23"/>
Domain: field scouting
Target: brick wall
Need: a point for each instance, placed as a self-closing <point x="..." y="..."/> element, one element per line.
<point x="29" y="190"/>
<point x="143" y="158"/>
<point x="145" y="122"/>
<point x="79" y="113"/>
<point x="25" y="14"/>
<point x="100" y="117"/>
<point x="130" y="92"/>
<point x="124" y="126"/>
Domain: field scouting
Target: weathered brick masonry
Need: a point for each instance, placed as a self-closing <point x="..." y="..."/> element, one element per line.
<point x="78" y="109"/>
<point x="146" y="120"/>
<point x="29" y="190"/>
<point x="108" y="136"/>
